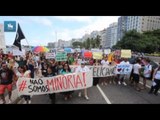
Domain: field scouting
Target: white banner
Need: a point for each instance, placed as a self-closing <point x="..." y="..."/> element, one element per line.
<point x="98" y="71"/>
<point x="50" y="55"/>
<point x="17" y="52"/>
<point x="96" y="50"/>
<point x="60" y="83"/>
<point x="123" y="69"/>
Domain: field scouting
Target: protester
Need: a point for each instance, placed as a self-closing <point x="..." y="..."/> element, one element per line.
<point x="147" y="72"/>
<point x="65" y="70"/>
<point x="83" y="68"/>
<point x="24" y="72"/>
<point x="156" y="81"/>
<point x="104" y="62"/>
<point x="31" y="66"/>
<point x="96" y="79"/>
<point x="136" y="74"/>
<point x="50" y="73"/>
<point x="122" y="77"/>
<point x="6" y="79"/>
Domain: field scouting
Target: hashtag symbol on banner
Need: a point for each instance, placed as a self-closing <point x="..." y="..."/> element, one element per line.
<point x="22" y="86"/>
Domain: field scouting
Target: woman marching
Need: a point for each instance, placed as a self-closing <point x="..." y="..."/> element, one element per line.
<point x="66" y="69"/>
<point x="50" y="73"/>
<point x="24" y="72"/>
<point x="96" y="79"/>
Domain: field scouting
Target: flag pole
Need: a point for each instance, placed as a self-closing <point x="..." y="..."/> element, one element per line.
<point x="28" y="44"/>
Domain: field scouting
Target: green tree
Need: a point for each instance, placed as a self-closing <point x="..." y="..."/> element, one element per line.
<point x="98" y="41"/>
<point x="147" y="42"/>
<point x="77" y="44"/>
<point x="88" y="43"/>
<point x="93" y="43"/>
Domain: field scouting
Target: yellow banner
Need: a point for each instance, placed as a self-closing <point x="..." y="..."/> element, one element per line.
<point x="97" y="55"/>
<point x="125" y="53"/>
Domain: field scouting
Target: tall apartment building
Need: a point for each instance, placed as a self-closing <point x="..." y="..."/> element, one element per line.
<point x="143" y="23"/>
<point x="51" y="45"/>
<point x="111" y="35"/>
<point x="139" y="23"/>
<point x="103" y="35"/>
<point x="122" y="27"/>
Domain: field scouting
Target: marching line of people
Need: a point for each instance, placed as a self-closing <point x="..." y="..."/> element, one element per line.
<point x="35" y="66"/>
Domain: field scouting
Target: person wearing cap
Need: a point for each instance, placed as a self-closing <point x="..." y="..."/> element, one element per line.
<point x="83" y="68"/>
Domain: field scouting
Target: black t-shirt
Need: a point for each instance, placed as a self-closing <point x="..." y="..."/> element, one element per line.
<point x="49" y="74"/>
<point x="55" y="70"/>
<point x="6" y="76"/>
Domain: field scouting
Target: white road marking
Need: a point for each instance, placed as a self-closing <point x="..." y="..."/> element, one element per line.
<point x="103" y="94"/>
<point x="148" y="86"/>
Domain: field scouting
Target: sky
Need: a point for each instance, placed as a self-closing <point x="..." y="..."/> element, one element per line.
<point x="39" y="30"/>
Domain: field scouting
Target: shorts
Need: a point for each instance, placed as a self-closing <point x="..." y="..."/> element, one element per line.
<point x="136" y="78"/>
<point x="3" y="87"/>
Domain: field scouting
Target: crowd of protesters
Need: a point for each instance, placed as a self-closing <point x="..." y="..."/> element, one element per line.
<point x="35" y="65"/>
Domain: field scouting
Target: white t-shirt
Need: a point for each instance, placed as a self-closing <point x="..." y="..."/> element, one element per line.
<point x="26" y="74"/>
<point x="157" y="76"/>
<point x="136" y="68"/>
<point x="147" y="68"/>
<point x="80" y="69"/>
<point x="36" y="58"/>
<point x="123" y="62"/>
<point x="103" y="62"/>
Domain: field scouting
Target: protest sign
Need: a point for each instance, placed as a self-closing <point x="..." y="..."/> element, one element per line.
<point x="96" y="50"/>
<point x="117" y="53"/>
<point x="123" y="69"/>
<point x="98" y="71"/>
<point x="50" y="55"/>
<point x="61" y="56"/>
<point x="107" y="51"/>
<point x="97" y="55"/>
<point x="60" y="83"/>
<point x="87" y="54"/>
<point x="17" y="52"/>
<point x="125" y="53"/>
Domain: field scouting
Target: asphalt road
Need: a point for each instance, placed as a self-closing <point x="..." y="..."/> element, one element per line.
<point x="110" y="94"/>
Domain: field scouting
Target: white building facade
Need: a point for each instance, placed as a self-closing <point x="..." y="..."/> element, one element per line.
<point x="2" y="38"/>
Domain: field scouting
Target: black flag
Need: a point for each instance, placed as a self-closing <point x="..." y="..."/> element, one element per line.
<point x="19" y="37"/>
